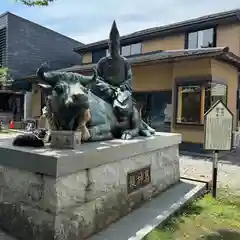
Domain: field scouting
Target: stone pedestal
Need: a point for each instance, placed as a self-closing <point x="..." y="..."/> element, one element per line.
<point x="51" y="194"/>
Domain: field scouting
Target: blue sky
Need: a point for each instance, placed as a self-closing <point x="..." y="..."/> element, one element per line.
<point x="90" y="20"/>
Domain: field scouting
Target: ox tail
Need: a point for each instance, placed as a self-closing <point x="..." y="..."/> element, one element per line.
<point x="28" y="140"/>
<point x="34" y="139"/>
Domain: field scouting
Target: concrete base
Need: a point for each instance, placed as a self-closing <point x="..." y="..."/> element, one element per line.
<point x="72" y="194"/>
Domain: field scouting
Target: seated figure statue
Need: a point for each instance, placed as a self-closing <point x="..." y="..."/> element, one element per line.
<point x="99" y="106"/>
<point x="114" y="71"/>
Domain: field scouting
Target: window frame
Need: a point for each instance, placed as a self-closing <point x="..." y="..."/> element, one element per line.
<point x="140" y="45"/>
<point x="97" y="51"/>
<point x="130" y="48"/>
<point x="199" y="30"/>
<point x="203" y="82"/>
<point x="149" y="98"/>
<point x="3" y="47"/>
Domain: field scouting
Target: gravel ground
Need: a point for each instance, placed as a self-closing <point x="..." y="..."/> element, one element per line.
<point x="201" y="168"/>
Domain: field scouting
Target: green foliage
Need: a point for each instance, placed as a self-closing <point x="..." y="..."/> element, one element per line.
<point x="5" y="78"/>
<point x="202" y="219"/>
<point x="31" y="3"/>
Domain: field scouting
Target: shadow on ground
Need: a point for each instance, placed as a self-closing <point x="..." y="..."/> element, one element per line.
<point x="231" y="158"/>
<point x="222" y="234"/>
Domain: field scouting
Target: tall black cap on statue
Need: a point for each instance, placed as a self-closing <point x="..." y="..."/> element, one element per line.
<point x="114" y="40"/>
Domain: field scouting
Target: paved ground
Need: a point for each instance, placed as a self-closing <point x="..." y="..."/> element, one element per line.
<point x="4" y="236"/>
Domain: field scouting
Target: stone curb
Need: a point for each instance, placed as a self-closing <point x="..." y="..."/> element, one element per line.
<point x="197" y="194"/>
<point x="160" y="215"/>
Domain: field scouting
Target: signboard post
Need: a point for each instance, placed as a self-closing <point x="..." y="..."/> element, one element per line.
<point x="218" y="135"/>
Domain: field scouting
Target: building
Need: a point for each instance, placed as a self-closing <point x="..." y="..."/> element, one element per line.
<point x="179" y="71"/>
<point x="24" y="46"/>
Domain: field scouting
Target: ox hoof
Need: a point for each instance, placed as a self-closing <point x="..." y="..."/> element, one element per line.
<point x="145" y="133"/>
<point x="152" y="131"/>
<point x="126" y="136"/>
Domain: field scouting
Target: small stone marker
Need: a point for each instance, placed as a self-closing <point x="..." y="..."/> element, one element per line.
<point x="138" y="179"/>
<point x="218" y="135"/>
<point x="65" y="139"/>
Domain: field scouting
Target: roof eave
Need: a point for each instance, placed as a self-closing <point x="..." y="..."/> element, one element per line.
<point x="230" y="58"/>
<point x="89" y="67"/>
<point x="220" y="54"/>
<point x="190" y="25"/>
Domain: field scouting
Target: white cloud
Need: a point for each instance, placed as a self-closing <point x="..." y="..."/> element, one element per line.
<point x="90" y="20"/>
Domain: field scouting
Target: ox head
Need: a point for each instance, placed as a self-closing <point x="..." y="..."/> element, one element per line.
<point x="69" y="103"/>
<point x="69" y="99"/>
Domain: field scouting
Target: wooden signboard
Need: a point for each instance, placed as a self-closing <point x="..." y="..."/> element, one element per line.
<point x="218" y="128"/>
<point x="218" y="135"/>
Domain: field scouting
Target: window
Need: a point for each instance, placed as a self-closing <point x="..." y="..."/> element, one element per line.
<point x="189" y="104"/>
<point x="12" y="104"/>
<point x="132" y="49"/>
<point x="213" y="93"/>
<point x="2" y="46"/>
<point x="136" y="48"/>
<point x="155" y="108"/>
<point x="142" y="102"/>
<point x="201" y="39"/>
<point x="161" y="110"/>
<point x="97" y="55"/>
<point x="193" y="100"/>
<point x="126" y="50"/>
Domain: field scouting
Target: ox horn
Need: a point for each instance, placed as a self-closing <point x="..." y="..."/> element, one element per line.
<point x="46" y="76"/>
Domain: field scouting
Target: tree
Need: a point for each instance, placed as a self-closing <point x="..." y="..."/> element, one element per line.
<point x="5" y="78"/>
<point x="35" y="2"/>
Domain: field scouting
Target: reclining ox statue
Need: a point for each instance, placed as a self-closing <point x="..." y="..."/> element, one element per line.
<point x="73" y="107"/>
<point x="100" y="106"/>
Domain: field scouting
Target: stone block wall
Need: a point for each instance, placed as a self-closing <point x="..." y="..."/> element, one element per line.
<point x="79" y="204"/>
